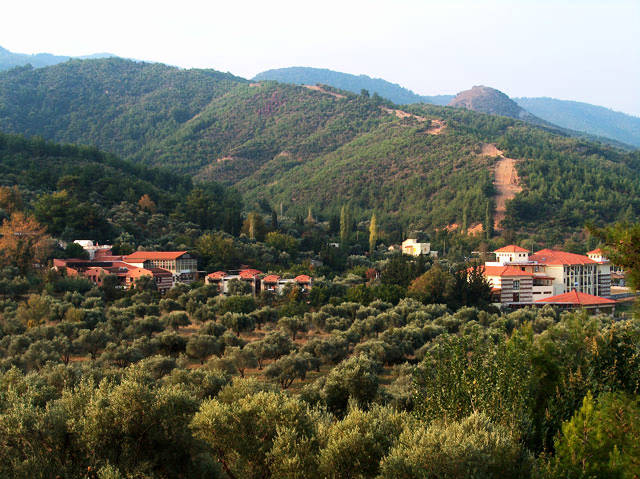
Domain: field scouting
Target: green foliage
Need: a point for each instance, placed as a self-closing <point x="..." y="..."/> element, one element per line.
<point x="243" y="433"/>
<point x="472" y="447"/>
<point x="602" y="439"/>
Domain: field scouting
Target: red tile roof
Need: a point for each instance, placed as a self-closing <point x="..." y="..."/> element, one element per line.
<point x="575" y="297"/>
<point x="512" y="248"/>
<point x="217" y="275"/>
<point x="303" y="278"/>
<point x="271" y="278"/>
<point x="596" y="251"/>
<point x="553" y="257"/>
<point x="150" y="255"/>
<point x="249" y="273"/>
<point x="504" y="271"/>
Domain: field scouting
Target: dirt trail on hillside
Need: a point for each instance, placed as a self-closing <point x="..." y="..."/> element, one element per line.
<point x="435" y="127"/>
<point x="322" y="90"/>
<point x="506" y="181"/>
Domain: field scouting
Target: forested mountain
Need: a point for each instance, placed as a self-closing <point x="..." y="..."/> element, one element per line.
<point x="81" y="192"/>
<point x="348" y="82"/>
<point x="37" y="60"/>
<point x="579" y="116"/>
<point x="297" y="148"/>
<point x="114" y="104"/>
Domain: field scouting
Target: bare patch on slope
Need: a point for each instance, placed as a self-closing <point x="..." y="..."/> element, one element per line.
<point x="506" y="181"/>
<point x="322" y="90"/>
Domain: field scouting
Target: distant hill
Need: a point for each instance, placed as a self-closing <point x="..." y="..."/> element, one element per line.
<point x="488" y="100"/>
<point x="596" y="120"/>
<point x="418" y="166"/>
<point x="10" y="60"/>
<point x="592" y="120"/>
<point x="348" y="82"/>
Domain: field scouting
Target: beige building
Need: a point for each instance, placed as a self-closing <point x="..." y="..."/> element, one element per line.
<point x="412" y="247"/>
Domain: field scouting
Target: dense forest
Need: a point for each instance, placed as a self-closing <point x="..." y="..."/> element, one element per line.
<point x="418" y="167"/>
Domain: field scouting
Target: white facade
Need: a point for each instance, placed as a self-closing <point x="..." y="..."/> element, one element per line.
<point x="413" y="248"/>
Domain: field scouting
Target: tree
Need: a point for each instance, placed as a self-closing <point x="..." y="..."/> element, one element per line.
<point x="242" y="358"/>
<point x="201" y="346"/>
<point x="373" y="233"/>
<point x="345" y="226"/>
<point x="602" y="439"/>
<point x="472" y="447"/>
<point x="354" y="378"/>
<point x="10" y="199"/>
<point x="293" y="325"/>
<point x="146" y="203"/>
<point x="175" y="319"/>
<point x="435" y="286"/>
<point x="237" y="322"/>
<point x="288" y="368"/>
<point x="245" y="433"/>
<point x="23" y="241"/>
<point x="254" y="227"/>
<point x="488" y="222"/>
<point x="622" y="245"/>
<point x="356" y="445"/>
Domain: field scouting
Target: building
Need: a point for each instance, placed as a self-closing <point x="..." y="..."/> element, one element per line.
<point x="94" y="250"/>
<point x="182" y="265"/>
<point x="222" y="279"/>
<point x="165" y="267"/>
<point x="272" y="283"/>
<point x="413" y="248"/>
<point x="518" y="277"/>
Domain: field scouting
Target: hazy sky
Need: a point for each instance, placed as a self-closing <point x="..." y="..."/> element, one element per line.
<point x="570" y="49"/>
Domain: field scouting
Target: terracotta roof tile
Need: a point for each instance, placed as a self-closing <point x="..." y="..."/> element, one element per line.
<point x="575" y="297"/>
<point x="249" y="273"/>
<point x="217" y="275"/>
<point x="303" y="278"/>
<point x="504" y="271"/>
<point x="553" y="257"/>
<point x="512" y="248"/>
<point x="271" y="278"/>
<point x="150" y="255"/>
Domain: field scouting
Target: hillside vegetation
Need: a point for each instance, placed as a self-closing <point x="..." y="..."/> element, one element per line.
<point x="318" y="149"/>
<point x="348" y="82"/>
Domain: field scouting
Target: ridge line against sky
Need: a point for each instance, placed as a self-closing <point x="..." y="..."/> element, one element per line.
<point x="586" y="51"/>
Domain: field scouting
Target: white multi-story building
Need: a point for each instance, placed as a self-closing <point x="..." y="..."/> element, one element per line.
<point x="520" y="277"/>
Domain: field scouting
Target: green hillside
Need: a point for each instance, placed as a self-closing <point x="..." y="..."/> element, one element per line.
<point x="320" y="148"/>
<point x="348" y="82"/>
<point x="81" y="192"/>
<point x="114" y="104"/>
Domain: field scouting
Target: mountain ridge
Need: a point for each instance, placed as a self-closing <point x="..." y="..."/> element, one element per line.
<point x="618" y="126"/>
<point x="322" y="148"/>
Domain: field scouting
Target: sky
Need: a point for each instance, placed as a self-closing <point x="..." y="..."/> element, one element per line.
<point x="583" y="50"/>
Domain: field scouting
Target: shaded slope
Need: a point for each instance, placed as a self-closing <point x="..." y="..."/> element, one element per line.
<point x="579" y="116"/>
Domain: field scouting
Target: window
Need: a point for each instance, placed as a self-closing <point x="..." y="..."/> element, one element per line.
<point x="516" y="284"/>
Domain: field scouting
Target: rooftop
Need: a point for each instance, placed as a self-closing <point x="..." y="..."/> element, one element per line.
<point x="553" y="257"/>
<point x="576" y="298"/>
<point x="151" y="255"/>
<point x="512" y="248"/>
